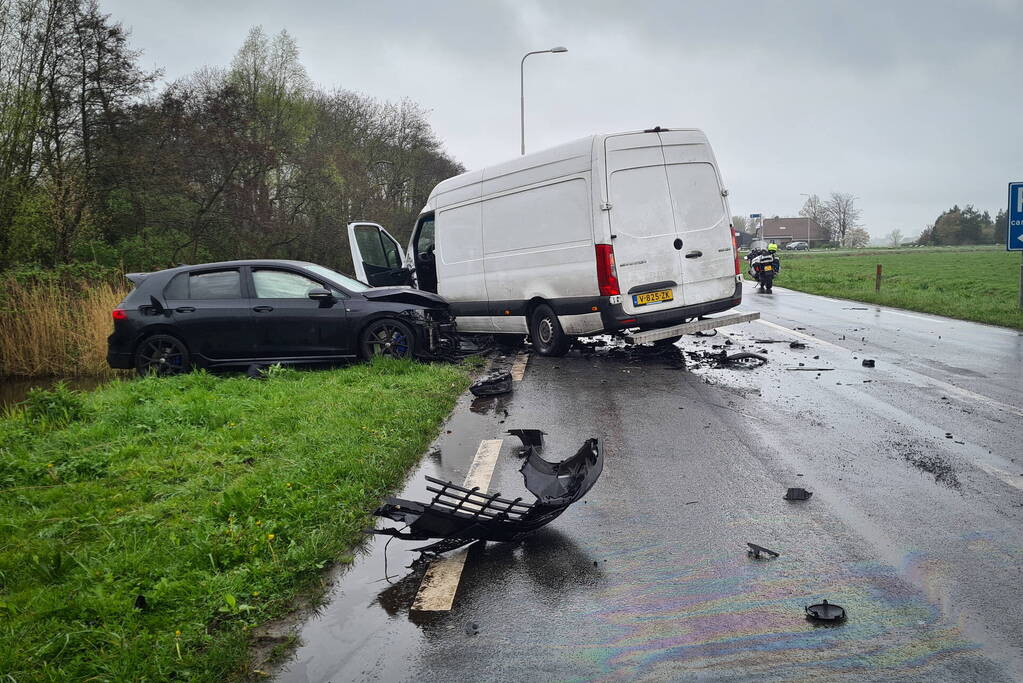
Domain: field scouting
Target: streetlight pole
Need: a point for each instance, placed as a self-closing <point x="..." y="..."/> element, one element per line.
<point x="803" y="194"/>
<point x="522" y="89"/>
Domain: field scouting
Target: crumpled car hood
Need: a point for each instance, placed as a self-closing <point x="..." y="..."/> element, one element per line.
<point x="406" y="295"/>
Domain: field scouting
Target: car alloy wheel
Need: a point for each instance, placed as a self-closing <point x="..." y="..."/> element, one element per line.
<point x="388" y="338"/>
<point x="161" y="355"/>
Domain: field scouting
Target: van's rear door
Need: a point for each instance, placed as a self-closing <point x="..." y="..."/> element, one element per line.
<point x="701" y="217"/>
<point x="642" y="223"/>
<point x="376" y="256"/>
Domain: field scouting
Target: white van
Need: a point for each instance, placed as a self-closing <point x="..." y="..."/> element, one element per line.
<point x="625" y="230"/>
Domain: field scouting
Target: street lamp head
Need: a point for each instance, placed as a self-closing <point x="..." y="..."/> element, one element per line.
<point x="559" y="49"/>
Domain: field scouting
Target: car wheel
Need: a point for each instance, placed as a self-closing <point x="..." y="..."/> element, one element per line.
<point x="546" y="333"/>
<point x="387" y="337"/>
<point x="162" y="355"/>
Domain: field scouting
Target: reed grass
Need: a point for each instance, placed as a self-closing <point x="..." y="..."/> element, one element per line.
<point x="53" y="328"/>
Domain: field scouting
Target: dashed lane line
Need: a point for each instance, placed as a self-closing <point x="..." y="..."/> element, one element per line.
<point x="1007" y="477"/>
<point x="518" y="369"/>
<point x="440" y="582"/>
<point x="937" y="383"/>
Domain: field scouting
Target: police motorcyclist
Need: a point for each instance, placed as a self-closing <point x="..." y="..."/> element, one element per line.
<point x="757" y="251"/>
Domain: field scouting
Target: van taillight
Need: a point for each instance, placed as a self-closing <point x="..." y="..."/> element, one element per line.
<point x="607" y="274"/>
<point x="735" y="250"/>
<point x="119" y="314"/>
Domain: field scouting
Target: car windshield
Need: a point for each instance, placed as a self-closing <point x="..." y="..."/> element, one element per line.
<point x="349" y="283"/>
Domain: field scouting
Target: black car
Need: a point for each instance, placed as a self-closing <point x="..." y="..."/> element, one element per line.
<point x="244" y="312"/>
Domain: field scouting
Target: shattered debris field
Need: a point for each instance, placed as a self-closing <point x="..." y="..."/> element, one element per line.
<point x="145" y="527"/>
<point x="969" y="284"/>
<point x="849" y="521"/>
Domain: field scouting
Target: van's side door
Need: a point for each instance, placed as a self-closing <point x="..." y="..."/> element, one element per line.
<point x="377" y="256"/>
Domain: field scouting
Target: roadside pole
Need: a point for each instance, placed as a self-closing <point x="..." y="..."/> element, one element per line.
<point x="877" y="279"/>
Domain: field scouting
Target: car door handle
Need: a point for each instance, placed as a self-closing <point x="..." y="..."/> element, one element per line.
<point x="185" y="309"/>
<point x="694" y="254"/>
<point x="262" y="309"/>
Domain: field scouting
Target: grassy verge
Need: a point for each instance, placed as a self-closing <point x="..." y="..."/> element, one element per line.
<point x="216" y="499"/>
<point x="970" y="284"/>
<point x="56" y="328"/>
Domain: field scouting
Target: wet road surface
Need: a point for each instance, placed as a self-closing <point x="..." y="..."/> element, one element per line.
<point x="914" y="525"/>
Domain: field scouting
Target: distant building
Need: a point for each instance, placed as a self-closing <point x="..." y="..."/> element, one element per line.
<point x="784" y="230"/>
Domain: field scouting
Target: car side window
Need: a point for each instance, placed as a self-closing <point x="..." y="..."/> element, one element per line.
<point x="219" y="284"/>
<point x="282" y="284"/>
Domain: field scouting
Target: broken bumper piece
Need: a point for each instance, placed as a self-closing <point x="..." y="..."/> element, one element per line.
<point x="458" y="516"/>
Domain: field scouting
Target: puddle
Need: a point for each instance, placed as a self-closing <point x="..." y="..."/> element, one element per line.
<point x="14" y="389"/>
<point x="362" y="605"/>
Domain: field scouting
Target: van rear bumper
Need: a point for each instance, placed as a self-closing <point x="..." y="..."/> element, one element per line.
<point x="614" y="316"/>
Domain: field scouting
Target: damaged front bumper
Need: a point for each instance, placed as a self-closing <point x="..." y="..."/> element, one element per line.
<point x="457" y="516"/>
<point x="438" y="335"/>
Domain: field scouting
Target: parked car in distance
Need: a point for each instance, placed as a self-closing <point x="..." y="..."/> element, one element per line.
<point x="797" y="246"/>
<point x="267" y="311"/>
<point x="609" y="232"/>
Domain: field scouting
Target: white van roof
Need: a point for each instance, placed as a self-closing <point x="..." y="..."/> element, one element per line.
<point x="576" y="152"/>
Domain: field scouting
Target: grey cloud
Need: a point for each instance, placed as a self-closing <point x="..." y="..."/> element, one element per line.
<point x="909" y="105"/>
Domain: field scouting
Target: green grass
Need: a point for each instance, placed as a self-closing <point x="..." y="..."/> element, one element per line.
<point x="219" y="499"/>
<point x="979" y="284"/>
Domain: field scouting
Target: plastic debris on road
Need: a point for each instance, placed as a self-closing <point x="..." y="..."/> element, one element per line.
<point x="493" y="384"/>
<point x="825" y="611"/>
<point x="458" y="516"/>
<point x="797" y="494"/>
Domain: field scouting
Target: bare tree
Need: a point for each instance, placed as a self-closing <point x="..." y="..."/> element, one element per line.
<point x="894" y="237"/>
<point x="817" y="211"/>
<point x="843" y="215"/>
<point x="739" y="223"/>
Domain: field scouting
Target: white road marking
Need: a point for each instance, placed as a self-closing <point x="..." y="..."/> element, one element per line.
<point x="1007" y="477"/>
<point x="518" y="369"/>
<point x="800" y="334"/>
<point x="937" y="383"/>
<point x="440" y="582"/>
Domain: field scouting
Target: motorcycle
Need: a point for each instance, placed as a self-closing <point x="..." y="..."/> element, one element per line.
<point x="762" y="269"/>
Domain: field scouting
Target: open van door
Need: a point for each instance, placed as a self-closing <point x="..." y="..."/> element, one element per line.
<point x="376" y="256"/>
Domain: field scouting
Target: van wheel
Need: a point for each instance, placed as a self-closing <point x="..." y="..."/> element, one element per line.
<point x="546" y="333"/>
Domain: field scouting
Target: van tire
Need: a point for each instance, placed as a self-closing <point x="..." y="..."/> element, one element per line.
<point x="546" y="333"/>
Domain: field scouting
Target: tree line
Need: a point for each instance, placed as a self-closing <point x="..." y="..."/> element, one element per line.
<point x="101" y="163"/>
<point x="965" y="226"/>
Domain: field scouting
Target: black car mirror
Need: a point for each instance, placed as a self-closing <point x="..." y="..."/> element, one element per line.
<point x="320" y="294"/>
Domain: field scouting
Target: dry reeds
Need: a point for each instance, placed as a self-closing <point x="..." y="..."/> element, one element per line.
<point x="52" y="329"/>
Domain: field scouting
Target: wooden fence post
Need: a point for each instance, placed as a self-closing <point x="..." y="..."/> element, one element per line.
<point x="877" y="279"/>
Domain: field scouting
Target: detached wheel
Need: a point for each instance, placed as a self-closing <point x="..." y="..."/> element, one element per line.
<point x="162" y="355"/>
<point x="546" y="333"/>
<point x="387" y="338"/>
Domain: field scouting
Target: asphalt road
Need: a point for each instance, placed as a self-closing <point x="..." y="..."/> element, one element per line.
<point x="914" y="525"/>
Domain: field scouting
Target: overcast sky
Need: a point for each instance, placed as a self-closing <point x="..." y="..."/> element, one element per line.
<point x="911" y="106"/>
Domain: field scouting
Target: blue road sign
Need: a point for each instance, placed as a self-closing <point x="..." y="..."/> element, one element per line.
<point x="1014" y="238"/>
<point x="754" y="215"/>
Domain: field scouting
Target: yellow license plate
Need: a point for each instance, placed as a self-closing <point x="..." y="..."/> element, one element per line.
<point x="768" y="267"/>
<point x="652" y="297"/>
